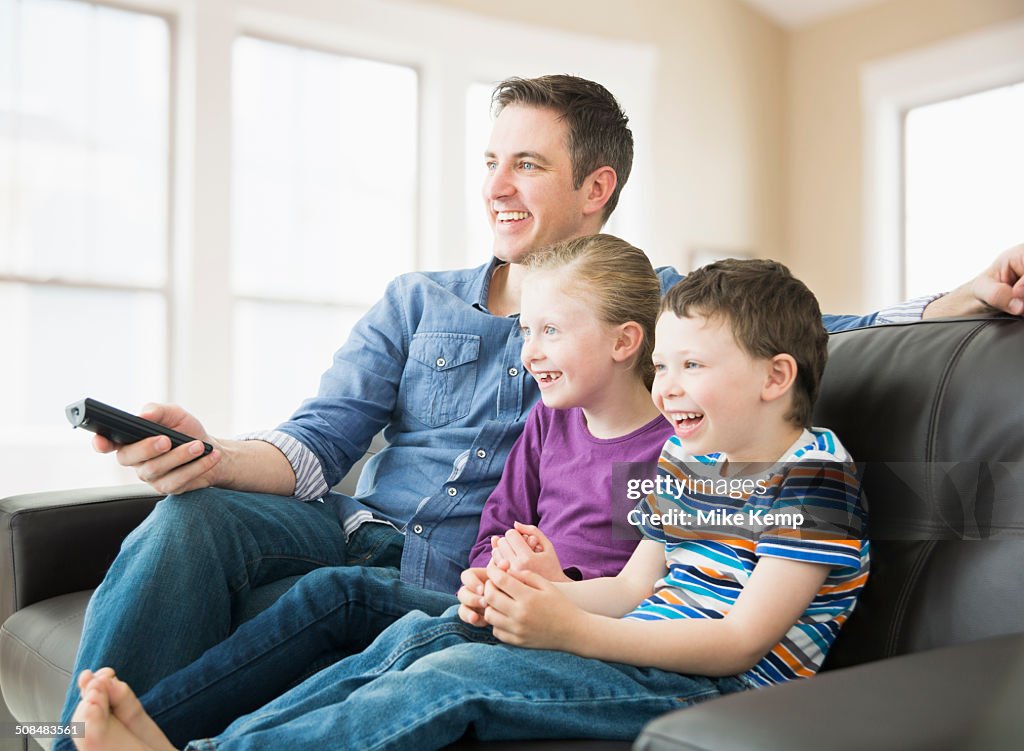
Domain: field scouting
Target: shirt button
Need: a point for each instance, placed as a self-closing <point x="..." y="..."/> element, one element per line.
<point x="452" y="491"/>
<point x="481" y="454"/>
<point x="418" y="529"/>
<point x="513" y="372"/>
<point x="441" y="362"/>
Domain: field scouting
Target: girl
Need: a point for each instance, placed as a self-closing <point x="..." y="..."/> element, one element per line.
<point x="587" y="316"/>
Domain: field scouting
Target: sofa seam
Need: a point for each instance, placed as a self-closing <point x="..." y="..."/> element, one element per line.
<point x="32" y="652"/>
<point x="931" y="431"/>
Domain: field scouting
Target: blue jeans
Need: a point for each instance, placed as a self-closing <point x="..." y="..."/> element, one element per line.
<point x="201" y="563"/>
<point x="426" y="680"/>
<point x="329" y="614"/>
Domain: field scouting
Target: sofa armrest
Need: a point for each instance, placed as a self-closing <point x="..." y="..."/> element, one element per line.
<point x="64" y="541"/>
<point x="966" y="696"/>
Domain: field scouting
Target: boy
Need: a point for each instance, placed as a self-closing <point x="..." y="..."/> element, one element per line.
<point x="746" y="602"/>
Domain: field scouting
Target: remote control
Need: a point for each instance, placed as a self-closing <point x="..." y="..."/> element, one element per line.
<point x="120" y="426"/>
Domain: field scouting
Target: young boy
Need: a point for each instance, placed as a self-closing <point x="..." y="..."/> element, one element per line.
<point x="753" y="559"/>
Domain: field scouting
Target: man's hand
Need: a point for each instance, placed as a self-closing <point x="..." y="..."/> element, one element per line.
<point x="154" y="462"/>
<point x="527" y="610"/>
<point x="1000" y="287"/>
<point x="526" y="548"/>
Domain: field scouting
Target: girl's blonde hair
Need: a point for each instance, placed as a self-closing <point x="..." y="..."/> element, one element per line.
<point x="614" y="277"/>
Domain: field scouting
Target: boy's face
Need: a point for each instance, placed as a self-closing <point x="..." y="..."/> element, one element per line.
<point x="528" y="191"/>
<point x="708" y="387"/>
<point x="565" y="347"/>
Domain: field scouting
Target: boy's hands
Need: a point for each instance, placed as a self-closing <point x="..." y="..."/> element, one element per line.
<point x="526" y="548"/>
<point x="527" y="610"/>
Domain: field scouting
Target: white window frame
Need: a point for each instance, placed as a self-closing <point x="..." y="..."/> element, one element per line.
<point x="890" y="87"/>
<point x="450" y="50"/>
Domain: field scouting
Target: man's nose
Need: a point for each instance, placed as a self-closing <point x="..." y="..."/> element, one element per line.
<point x="498" y="184"/>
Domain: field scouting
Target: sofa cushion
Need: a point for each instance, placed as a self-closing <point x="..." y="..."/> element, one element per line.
<point x="962" y="697"/>
<point x="37" y="653"/>
<point x="933" y="412"/>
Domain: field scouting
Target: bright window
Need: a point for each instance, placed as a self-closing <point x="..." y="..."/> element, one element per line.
<point x="84" y="251"/>
<point x="963" y="188"/>
<point x="478" y="130"/>
<point x="323" y="211"/>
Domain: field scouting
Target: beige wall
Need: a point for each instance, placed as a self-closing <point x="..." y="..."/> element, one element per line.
<point x="718" y="121"/>
<point x="758" y="129"/>
<point x="824" y="124"/>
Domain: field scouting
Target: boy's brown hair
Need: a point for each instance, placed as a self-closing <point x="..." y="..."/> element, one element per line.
<point x="770" y="312"/>
<point x="599" y="133"/>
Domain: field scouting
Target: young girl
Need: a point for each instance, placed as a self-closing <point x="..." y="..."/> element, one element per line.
<point x="588" y="313"/>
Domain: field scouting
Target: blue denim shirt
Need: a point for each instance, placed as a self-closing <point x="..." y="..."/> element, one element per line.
<point x="441" y="375"/>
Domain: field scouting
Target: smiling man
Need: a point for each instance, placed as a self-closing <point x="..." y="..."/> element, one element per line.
<point x="435" y="365"/>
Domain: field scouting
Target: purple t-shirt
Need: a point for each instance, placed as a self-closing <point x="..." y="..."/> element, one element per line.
<point x="559" y="477"/>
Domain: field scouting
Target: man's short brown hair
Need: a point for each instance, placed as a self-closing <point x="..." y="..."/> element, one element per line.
<point x="770" y="312"/>
<point x="599" y="133"/>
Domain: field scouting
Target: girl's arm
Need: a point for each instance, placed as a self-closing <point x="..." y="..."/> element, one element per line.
<point x="529" y="611"/>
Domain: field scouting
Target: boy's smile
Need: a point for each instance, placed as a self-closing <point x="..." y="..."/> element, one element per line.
<point x="707" y="386"/>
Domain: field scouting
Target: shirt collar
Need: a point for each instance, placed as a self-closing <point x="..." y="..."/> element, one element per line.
<point x="484" y="282"/>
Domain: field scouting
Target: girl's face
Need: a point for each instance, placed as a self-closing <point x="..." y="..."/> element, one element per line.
<point x="566" y="348"/>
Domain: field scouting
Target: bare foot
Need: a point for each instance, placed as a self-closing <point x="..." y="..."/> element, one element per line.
<point x="103" y="731"/>
<point x="127" y="708"/>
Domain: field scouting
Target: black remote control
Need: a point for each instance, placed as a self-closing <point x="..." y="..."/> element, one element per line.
<point x="120" y="426"/>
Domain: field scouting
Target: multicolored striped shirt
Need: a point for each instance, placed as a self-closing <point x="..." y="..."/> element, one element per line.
<point x="805" y="507"/>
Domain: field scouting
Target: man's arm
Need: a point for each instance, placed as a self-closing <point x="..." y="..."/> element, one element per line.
<point x="324" y="438"/>
<point x="999" y="288"/>
<point x="240" y="465"/>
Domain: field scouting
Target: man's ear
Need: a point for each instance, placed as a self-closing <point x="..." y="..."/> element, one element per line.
<point x="780" y="375"/>
<point x="630" y="338"/>
<point x="599" y="186"/>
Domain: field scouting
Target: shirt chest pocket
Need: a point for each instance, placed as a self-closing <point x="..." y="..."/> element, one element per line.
<point x="440" y="378"/>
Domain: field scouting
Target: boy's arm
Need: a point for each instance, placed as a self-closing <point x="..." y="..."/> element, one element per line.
<point x="535" y="613"/>
<point x="613" y="596"/>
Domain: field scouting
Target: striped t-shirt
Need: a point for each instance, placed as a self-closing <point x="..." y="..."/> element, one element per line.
<point x="805" y="507"/>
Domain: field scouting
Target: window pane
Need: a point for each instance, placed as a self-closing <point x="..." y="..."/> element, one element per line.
<point x="281" y="350"/>
<point x="964" y="193"/>
<point x="62" y="345"/>
<point x="479" y="240"/>
<point x="84" y="113"/>
<point x="324" y="188"/>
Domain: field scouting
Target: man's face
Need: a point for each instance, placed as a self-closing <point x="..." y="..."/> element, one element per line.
<point x="528" y="191"/>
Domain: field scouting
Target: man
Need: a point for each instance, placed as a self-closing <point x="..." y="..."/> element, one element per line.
<point x="435" y="364"/>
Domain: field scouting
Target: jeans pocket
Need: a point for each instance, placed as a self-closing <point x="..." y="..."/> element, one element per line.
<point x="440" y="377"/>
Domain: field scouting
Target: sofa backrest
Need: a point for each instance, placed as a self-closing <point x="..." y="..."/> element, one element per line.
<point x="935" y="413"/>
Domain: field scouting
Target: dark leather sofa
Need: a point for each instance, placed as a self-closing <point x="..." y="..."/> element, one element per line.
<point x="933" y="657"/>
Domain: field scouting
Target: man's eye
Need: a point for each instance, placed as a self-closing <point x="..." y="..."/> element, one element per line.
<point x="527" y="166"/>
<point x="491" y="166"/>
